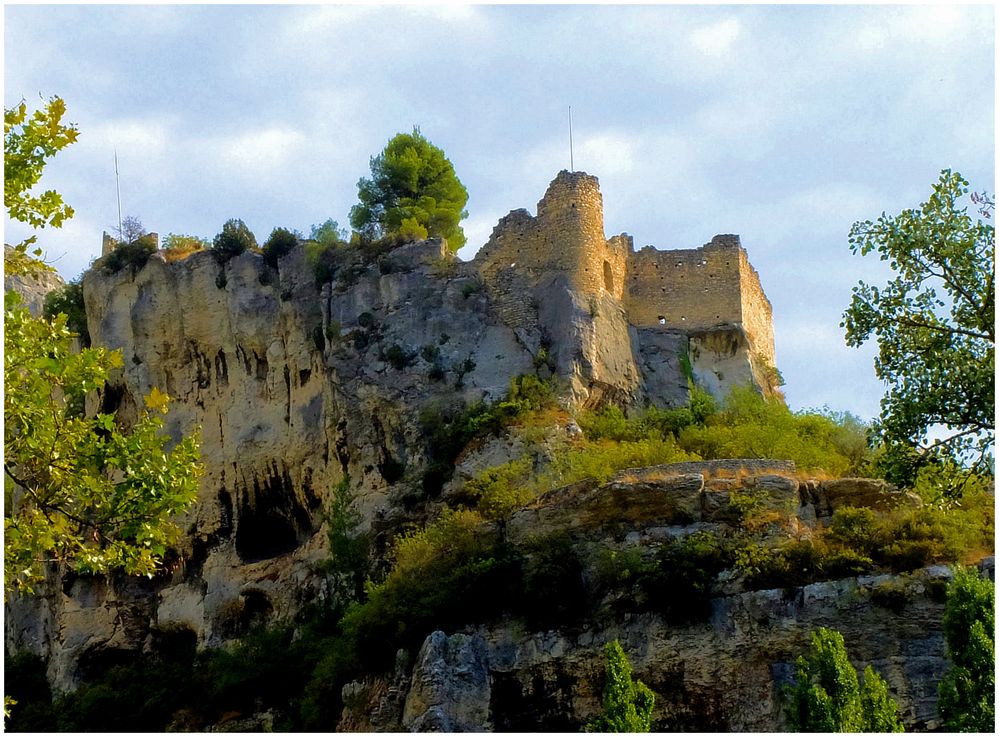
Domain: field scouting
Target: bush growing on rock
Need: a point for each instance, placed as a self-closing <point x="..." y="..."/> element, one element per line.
<point x="967" y="692"/>
<point x="131" y="256"/>
<point x="69" y="302"/>
<point x="627" y="703"/>
<point x="234" y="239"/>
<point x="279" y="244"/>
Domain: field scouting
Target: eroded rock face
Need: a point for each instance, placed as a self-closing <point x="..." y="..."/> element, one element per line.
<point x="726" y="674"/>
<point x="450" y="686"/>
<point x="292" y="387"/>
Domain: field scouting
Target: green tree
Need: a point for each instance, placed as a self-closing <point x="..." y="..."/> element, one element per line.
<point x="934" y="323"/>
<point x="328" y="233"/>
<point x="234" y="239"/>
<point x="967" y="692"/>
<point x="627" y="704"/>
<point x="413" y="191"/>
<point x="68" y="301"/>
<point x="78" y="489"/>
<point x="27" y="144"/>
<point x="348" y="561"/>
<point x="279" y="244"/>
<point x="827" y="695"/>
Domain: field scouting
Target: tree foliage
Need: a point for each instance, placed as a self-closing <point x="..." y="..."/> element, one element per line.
<point x="82" y="490"/>
<point x="413" y="190"/>
<point x="279" y="244"/>
<point x="934" y="323"/>
<point x="627" y="703"/>
<point x="329" y="233"/>
<point x="78" y="488"/>
<point x="27" y="144"/>
<point x="967" y="692"/>
<point x="827" y="696"/>
<point x="234" y="239"/>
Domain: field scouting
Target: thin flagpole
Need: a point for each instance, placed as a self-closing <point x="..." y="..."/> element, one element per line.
<point x="117" y="187"/>
<point x="571" y="167"/>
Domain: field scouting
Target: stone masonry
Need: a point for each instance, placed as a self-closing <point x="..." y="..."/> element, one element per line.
<point x="689" y="291"/>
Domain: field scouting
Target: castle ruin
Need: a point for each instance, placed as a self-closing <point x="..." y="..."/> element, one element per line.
<point x="710" y="295"/>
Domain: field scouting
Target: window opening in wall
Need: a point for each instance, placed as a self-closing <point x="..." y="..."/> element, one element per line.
<point x="662" y="319"/>
<point x="683" y="318"/>
<point x="608" y="277"/>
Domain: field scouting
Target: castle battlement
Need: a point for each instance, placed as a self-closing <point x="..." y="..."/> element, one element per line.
<point x="687" y="290"/>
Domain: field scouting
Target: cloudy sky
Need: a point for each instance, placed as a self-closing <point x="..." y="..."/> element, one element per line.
<point x="784" y="124"/>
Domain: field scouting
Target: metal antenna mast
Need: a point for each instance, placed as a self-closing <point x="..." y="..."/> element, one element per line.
<point x="117" y="187"/>
<point x="571" y="168"/>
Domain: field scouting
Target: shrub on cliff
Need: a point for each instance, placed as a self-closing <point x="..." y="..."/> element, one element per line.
<point x="627" y="703"/>
<point x="132" y="255"/>
<point x="177" y="247"/>
<point x="234" y="239"/>
<point x="750" y="426"/>
<point x="279" y="244"/>
<point x="413" y="190"/>
<point x="967" y="692"/>
<point x="443" y="576"/>
<point x="827" y="696"/>
<point x="69" y="302"/>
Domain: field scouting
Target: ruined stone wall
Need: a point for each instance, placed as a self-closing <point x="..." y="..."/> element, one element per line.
<point x="566" y="236"/>
<point x="757" y="313"/>
<point x="692" y="289"/>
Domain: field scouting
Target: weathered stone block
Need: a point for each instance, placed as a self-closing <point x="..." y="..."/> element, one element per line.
<point x="854" y="492"/>
<point x="450" y="686"/>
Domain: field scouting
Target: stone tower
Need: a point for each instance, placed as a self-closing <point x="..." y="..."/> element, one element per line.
<point x="566" y="236"/>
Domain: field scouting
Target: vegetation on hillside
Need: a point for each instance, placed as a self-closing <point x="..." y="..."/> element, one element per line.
<point x="627" y="704"/>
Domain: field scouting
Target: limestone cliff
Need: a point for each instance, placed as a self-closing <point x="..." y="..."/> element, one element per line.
<point x="292" y="386"/>
<point x="295" y="383"/>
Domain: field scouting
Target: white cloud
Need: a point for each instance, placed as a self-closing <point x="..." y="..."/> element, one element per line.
<point x="607" y="153"/>
<point x="140" y="138"/>
<point x="717" y="38"/>
<point x="260" y="151"/>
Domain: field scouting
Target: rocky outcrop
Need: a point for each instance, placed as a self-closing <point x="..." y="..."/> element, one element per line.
<point x="725" y="674"/>
<point x="450" y="686"/>
<point x="32" y="288"/>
